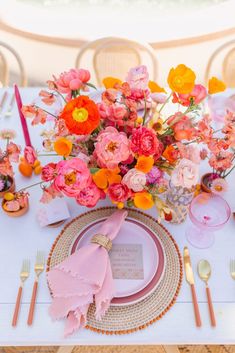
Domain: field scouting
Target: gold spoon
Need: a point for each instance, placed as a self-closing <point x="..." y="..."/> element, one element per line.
<point x="204" y="271"/>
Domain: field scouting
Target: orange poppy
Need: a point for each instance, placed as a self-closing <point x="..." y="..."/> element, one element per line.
<point x="155" y="88"/>
<point x="143" y="200"/>
<point x="63" y="146"/>
<point x="170" y="154"/>
<point x="144" y="164"/>
<point x="111" y="82"/>
<point x="216" y="85"/>
<point x="104" y="177"/>
<point x="81" y="115"/>
<point x="181" y="79"/>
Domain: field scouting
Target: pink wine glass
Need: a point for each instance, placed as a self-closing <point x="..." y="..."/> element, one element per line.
<point x="208" y="212"/>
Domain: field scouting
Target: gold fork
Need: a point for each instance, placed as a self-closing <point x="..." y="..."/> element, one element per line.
<point x="9" y="110"/>
<point x="38" y="268"/>
<point x="232" y="268"/>
<point x="24" y="274"/>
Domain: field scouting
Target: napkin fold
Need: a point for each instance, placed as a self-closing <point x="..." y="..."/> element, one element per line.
<point x="84" y="276"/>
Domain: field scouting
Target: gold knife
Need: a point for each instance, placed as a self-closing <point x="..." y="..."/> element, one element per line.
<point x="190" y="280"/>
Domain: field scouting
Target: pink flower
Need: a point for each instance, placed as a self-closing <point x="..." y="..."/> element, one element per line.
<point x="61" y="128"/>
<point x="203" y="154"/>
<point x="38" y="115"/>
<point x="6" y="167"/>
<point x="144" y="141"/>
<point x="205" y="131"/>
<point x="113" y="112"/>
<point x="182" y="127"/>
<point x="138" y="77"/>
<point x="111" y="148"/>
<point x="118" y="192"/>
<point x="47" y="97"/>
<point x="219" y="185"/>
<point x="189" y="152"/>
<point x="30" y="155"/>
<point x="49" y="193"/>
<point x="2" y="185"/>
<point x="72" y="80"/>
<point x="72" y="176"/>
<point x="49" y="172"/>
<point x="185" y="174"/>
<point x="159" y="98"/>
<point x="90" y="195"/>
<point x="196" y="96"/>
<point x="13" y="151"/>
<point x="135" y="180"/>
<point x="221" y="161"/>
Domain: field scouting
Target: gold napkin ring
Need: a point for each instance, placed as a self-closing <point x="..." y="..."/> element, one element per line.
<point x="102" y="240"/>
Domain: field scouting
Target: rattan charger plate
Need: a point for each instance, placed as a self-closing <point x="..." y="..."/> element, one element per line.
<point x="128" y="318"/>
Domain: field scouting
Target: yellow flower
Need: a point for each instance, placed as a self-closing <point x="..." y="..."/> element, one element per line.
<point x="157" y="124"/>
<point x="155" y="88"/>
<point x="144" y="164"/>
<point x="111" y="82"/>
<point x="216" y="85"/>
<point x="143" y="200"/>
<point x="63" y="147"/>
<point x="181" y="79"/>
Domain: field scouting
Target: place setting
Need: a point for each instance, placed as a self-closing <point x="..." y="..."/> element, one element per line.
<point x="113" y="155"/>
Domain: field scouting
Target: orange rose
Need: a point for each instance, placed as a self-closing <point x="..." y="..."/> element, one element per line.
<point x="144" y="164"/>
<point x="81" y="115"/>
<point x="63" y="147"/>
<point x="181" y="79"/>
<point x="216" y="85"/>
<point x="143" y="200"/>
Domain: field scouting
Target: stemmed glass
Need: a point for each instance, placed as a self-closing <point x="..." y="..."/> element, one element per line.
<point x="208" y="212"/>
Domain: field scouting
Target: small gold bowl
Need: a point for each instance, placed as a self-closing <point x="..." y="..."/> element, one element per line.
<point x="17" y="213"/>
<point x="10" y="189"/>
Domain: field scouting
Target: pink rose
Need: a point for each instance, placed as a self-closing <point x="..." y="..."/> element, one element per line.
<point x="135" y="180"/>
<point x="197" y="95"/>
<point x="30" y="155"/>
<point x="90" y="195"/>
<point x="185" y="174"/>
<point x="118" y="192"/>
<point x="72" y="176"/>
<point x="138" y="77"/>
<point x="48" y="172"/>
<point x="144" y="141"/>
<point x="111" y="148"/>
<point x="72" y="80"/>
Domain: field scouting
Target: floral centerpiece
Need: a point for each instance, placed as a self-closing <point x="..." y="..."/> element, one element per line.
<point x="123" y="145"/>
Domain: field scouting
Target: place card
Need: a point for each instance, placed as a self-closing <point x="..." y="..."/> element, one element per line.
<point x="127" y="261"/>
<point x="55" y="211"/>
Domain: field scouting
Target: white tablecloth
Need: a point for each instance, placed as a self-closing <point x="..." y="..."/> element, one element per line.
<point x="21" y="237"/>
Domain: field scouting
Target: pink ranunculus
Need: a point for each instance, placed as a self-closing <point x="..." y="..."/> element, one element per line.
<point x="197" y="95"/>
<point x="118" y="192"/>
<point x="90" y="195"/>
<point x="49" y="172"/>
<point x="71" y="177"/>
<point x="138" y="77"/>
<point x="185" y="174"/>
<point x="135" y="180"/>
<point x="111" y="148"/>
<point x="113" y="112"/>
<point x="144" y="141"/>
<point x="30" y="155"/>
<point x="72" y="80"/>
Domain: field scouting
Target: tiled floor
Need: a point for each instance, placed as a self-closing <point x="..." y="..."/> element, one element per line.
<point x="122" y="349"/>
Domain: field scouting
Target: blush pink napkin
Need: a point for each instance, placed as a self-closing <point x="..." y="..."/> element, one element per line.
<point x="84" y="276"/>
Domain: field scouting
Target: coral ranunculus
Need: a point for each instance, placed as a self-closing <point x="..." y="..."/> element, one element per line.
<point x="63" y="147"/>
<point x="81" y="115"/>
<point x="197" y="95"/>
<point x="216" y="85"/>
<point x="181" y="79"/>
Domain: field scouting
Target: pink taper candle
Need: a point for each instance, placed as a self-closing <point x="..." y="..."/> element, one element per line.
<point x="22" y="118"/>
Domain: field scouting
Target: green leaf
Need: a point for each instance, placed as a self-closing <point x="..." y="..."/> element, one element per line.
<point x="94" y="170"/>
<point x="91" y="85"/>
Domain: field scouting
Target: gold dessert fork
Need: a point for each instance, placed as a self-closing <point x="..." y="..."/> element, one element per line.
<point x="9" y="110"/>
<point x="24" y="274"/>
<point x="232" y="268"/>
<point x="38" y="268"/>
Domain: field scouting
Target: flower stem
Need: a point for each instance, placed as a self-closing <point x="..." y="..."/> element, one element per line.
<point x="229" y="171"/>
<point x="36" y="106"/>
<point x="30" y="186"/>
<point x="167" y="100"/>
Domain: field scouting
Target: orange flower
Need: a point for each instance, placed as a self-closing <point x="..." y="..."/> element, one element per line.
<point x="63" y="146"/>
<point x="155" y="88"/>
<point x="105" y="177"/>
<point x="181" y="79"/>
<point x="143" y="200"/>
<point x="170" y="154"/>
<point x="144" y="164"/>
<point x="111" y="82"/>
<point x="216" y="85"/>
<point x="81" y="115"/>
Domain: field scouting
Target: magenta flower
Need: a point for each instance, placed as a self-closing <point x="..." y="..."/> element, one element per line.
<point x="144" y="141"/>
<point x="90" y="195"/>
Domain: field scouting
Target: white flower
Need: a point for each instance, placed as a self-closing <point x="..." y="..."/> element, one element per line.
<point x="135" y="180"/>
<point x="185" y="174"/>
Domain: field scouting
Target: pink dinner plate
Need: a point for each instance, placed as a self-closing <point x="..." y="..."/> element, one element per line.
<point x="130" y="291"/>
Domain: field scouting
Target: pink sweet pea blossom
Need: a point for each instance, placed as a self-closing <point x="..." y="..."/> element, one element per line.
<point x="47" y="97"/>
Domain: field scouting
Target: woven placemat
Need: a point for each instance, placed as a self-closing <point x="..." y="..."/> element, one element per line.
<point x="127" y="319"/>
